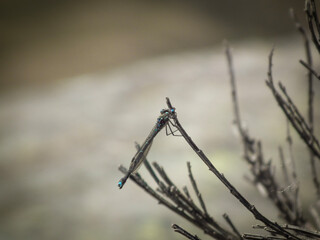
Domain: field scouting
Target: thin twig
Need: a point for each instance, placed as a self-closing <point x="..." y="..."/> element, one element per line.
<point x="234" y="229"/>
<point x="195" y="187"/>
<point x="147" y="165"/>
<point x="312" y="18"/>
<point x="183" y="232"/>
<point x="248" y="142"/>
<point x="315" y="216"/>
<point x="162" y="174"/>
<point x="291" y="158"/>
<point x="302" y="231"/>
<point x="297" y="206"/>
<point x="297" y="230"/>
<point x="186" y="192"/>
<point x="259" y="237"/>
<point x="310" y="69"/>
<point x="284" y="167"/>
<point x="315" y="16"/>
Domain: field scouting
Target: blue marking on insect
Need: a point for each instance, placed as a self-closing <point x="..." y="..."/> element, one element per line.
<point x="119" y="183"/>
<point x="172" y="110"/>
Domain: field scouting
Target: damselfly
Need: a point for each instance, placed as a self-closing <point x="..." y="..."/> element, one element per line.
<point x="162" y="121"/>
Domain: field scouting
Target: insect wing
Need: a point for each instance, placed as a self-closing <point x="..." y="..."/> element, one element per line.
<point x="141" y="157"/>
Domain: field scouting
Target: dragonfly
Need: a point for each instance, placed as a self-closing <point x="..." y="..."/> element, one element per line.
<point x="162" y="121"/>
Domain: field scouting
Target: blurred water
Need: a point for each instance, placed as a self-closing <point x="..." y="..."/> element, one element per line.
<point x="47" y="41"/>
<point x="60" y="146"/>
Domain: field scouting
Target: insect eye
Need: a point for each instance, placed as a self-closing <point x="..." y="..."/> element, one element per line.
<point x="172" y="110"/>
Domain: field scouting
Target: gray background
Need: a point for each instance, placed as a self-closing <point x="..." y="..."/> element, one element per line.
<point x="81" y="81"/>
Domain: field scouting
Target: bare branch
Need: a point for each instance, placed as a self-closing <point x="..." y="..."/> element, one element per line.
<point x="259" y="237"/>
<point x="247" y="141"/>
<point x="293" y="114"/>
<point x="315" y="216"/>
<point x="178" y="209"/>
<point x="260" y="169"/>
<point x="291" y="158"/>
<point x="313" y="22"/>
<point x="234" y="229"/>
<point x="194" y="185"/>
<point x="295" y="229"/>
<point x="284" y="167"/>
<point x="232" y="189"/>
<point x="310" y="69"/>
<point x="183" y="232"/>
<point x="148" y="166"/>
<point x="310" y="91"/>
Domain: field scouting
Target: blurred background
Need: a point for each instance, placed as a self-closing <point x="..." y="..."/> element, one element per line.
<point x="82" y="80"/>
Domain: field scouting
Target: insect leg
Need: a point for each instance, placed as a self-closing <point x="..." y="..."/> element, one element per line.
<point x="172" y="132"/>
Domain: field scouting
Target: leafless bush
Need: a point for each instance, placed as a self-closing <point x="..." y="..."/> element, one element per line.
<point x="286" y="202"/>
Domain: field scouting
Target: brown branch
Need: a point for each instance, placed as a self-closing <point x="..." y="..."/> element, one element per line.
<point x="232" y="189"/>
<point x="310" y="95"/>
<point x="293" y="114"/>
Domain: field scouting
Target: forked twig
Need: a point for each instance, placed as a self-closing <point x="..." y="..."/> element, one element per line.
<point x="261" y="170"/>
<point x="181" y="204"/>
<point x="292" y="113"/>
<point x="136" y="178"/>
<point x="311" y="72"/>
